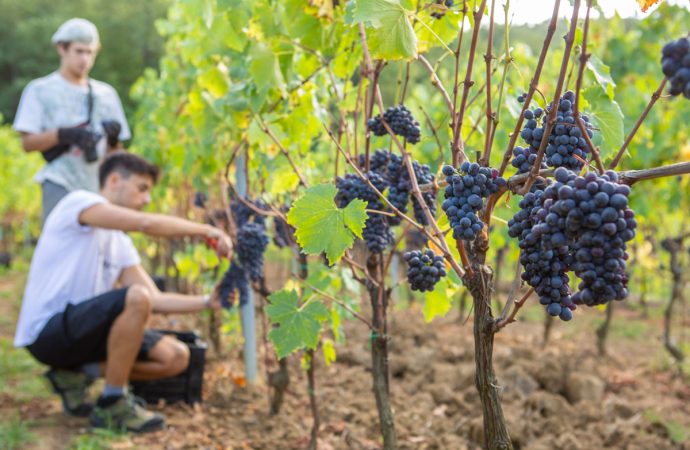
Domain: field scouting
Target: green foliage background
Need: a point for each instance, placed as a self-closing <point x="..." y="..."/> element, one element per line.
<point x="129" y="41"/>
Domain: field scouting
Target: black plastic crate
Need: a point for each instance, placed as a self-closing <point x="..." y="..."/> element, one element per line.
<point x="184" y="387"/>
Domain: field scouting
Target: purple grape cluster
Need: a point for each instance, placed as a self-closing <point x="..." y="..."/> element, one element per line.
<point x="200" y="199"/>
<point x="242" y="213"/>
<point x="578" y="223"/>
<point x="566" y="146"/>
<point x="464" y="197"/>
<point x="400" y="120"/>
<point x="378" y="162"/>
<point x="599" y="223"/>
<point x="425" y="269"/>
<point x="424" y="176"/>
<point x="675" y="63"/>
<point x="234" y="279"/>
<point x="399" y="186"/>
<point x="252" y="241"/>
<point x="543" y="255"/>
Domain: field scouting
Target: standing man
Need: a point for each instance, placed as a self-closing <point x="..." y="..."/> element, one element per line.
<point x="71" y="119"/>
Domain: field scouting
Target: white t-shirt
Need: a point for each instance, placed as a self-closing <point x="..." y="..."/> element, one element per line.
<point x="72" y="263"/>
<point x="52" y="102"/>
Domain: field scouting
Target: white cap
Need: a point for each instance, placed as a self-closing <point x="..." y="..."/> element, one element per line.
<point x="76" y="30"/>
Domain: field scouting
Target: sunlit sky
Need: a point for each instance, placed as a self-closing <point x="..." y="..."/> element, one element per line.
<point x="536" y="11"/>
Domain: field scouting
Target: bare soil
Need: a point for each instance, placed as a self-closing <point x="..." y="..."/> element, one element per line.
<point x="561" y="396"/>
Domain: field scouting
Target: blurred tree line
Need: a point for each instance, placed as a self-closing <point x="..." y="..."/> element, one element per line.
<point x="129" y="39"/>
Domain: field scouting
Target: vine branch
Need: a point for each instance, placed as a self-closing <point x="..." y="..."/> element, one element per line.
<point x="534" y="84"/>
<point x="570" y="38"/>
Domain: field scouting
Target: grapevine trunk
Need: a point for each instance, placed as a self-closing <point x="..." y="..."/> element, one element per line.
<point x="379" y="296"/>
<point x="495" y="431"/>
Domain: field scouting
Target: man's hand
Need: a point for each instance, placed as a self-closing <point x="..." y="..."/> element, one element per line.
<point x="112" y="130"/>
<point x="215" y="301"/>
<point x="83" y="138"/>
<point x="223" y="244"/>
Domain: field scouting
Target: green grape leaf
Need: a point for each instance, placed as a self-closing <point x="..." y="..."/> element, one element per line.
<point x="438" y="302"/>
<point x="607" y="117"/>
<point x="389" y="32"/>
<point x="322" y="226"/>
<point x="208" y="13"/>
<point x="298" y="326"/>
<point x="265" y="69"/>
<point x="602" y="74"/>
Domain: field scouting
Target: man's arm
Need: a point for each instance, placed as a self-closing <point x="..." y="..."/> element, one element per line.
<point x="167" y="302"/>
<point x="106" y="215"/>
<point x="39" y="142"/>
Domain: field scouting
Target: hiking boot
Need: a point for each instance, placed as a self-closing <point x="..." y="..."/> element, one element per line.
<point x="124" y="414"/>
<point x="72" y="387"/>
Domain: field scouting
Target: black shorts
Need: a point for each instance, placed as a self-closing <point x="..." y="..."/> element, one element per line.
<point x="79" y="334"/>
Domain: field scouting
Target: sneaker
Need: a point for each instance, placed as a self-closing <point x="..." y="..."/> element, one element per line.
<point x="72" y="387"/>
<point x="125" y="414"/>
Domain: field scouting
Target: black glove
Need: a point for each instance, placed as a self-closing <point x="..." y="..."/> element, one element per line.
<point x="83" y="138"/>
<point x="112" y="131"/>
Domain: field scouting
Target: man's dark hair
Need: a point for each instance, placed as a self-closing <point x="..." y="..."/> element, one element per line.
<point x="126" y="164"/>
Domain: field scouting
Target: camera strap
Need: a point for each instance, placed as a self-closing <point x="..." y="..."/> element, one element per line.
<point x="89" y="103"/>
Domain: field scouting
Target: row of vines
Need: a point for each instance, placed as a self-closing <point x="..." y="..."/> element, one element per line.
<point x="309" y="94"/>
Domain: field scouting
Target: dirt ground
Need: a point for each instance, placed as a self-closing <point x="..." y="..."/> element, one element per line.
<point x="561" y="396"/>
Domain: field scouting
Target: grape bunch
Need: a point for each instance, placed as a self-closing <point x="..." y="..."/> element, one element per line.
<point x="543" y="255"/>
<point x="399" y="186"/>
<point x="400" y="120"/>
<point x="378" y="162"/>
<point x="425" y="269"/>
<point x="352" y="186"/>
<point x="251" y="245"/>
<point x="438" y="14"/>
<point x="566" y="146"/>
<point x="200" y="199"/>
<point x="464" y="197"/>
<point x="598" y="222"/>
<point x="525" y="157"/>
<point x="675" y="63"/>
<point x="377" y="233"/>
<point x="578" y="223"/>
<point x="424" y="176"/>
<point x="242" y="213"/>
<point x="233" y="280"/>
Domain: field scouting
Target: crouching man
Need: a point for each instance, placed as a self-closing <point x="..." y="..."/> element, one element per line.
<point x="87" y="298"/>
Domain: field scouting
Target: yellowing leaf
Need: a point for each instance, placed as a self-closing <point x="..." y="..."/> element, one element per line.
<point x="215" y="81"/>
<point x="328" y="352"/>
<point x="646" y="4"/>
<point x="438" y="302"/>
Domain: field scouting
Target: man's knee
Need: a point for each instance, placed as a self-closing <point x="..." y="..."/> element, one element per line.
<point x="181" y="357"/>
<point x="176" y="356"/>
<point x="140" y="298"/>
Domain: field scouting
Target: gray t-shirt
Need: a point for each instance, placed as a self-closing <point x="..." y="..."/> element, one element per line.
<point x="52" y="102"/>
